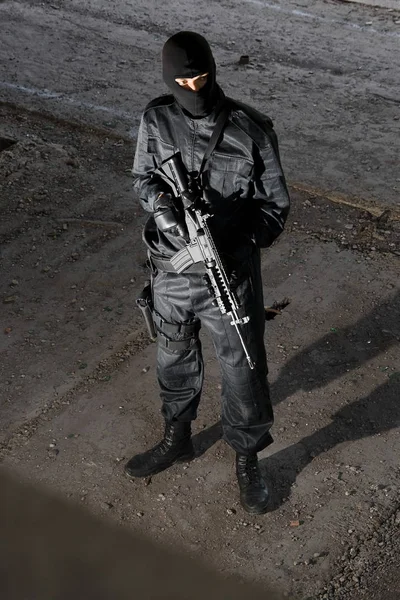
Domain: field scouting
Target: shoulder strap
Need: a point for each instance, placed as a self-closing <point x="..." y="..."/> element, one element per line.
<point x="216" y="134"/>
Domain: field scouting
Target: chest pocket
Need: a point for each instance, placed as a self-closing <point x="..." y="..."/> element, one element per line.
<point x="227" y="178"/>
<point x="160" y="149"/>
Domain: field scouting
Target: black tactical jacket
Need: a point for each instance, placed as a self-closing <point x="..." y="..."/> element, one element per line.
<point x="242" y="181"/>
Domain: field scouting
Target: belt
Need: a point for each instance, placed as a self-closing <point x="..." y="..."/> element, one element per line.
<point x="166" y="265"/>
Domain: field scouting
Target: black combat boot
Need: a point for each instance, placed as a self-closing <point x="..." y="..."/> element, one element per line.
<point x="254" y="495"/>
<point x="176" y="446"/>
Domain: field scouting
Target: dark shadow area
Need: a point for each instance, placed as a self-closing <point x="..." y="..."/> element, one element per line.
<point x="340" y="351"/>
<point x="54" y="549"/>
<point x="317" y="365"/>
<point x="368" y="416"/>
<point x="205" y="439"/>
<point x="6" y="143"/>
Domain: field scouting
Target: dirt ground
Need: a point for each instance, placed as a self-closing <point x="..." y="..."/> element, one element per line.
<point x="78" y="390"/>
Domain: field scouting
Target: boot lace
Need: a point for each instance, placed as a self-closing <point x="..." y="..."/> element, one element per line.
<point x="249" y="470"/>
<point x="252" y="470"/>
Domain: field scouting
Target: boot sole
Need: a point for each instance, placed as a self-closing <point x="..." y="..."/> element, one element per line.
<point x="256" y="511"/>
<point x="180" y="459"/>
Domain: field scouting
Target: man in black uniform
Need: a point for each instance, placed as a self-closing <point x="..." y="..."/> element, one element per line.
<point x="244" y="189"/>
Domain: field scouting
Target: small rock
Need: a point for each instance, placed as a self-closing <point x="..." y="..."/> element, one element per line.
<point x="72" y="162"/>
<point x="140" y="514"/>
<point x="9" y="299"/>
<point x="295" y="523"/>
<point x="231" y="511"/>
<point x="145" y="369"/>
<point x="8" y="330"/>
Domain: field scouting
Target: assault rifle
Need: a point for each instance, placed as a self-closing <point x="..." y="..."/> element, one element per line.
<point x="201" y="247"/>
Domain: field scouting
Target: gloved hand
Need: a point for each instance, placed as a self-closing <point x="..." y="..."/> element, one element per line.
<point x="233" y="278"/>
<point x="168" y="217"/>
<point x="210" y="289"/>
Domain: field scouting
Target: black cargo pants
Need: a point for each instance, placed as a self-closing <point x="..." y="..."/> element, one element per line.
<point x="182" y="305"/>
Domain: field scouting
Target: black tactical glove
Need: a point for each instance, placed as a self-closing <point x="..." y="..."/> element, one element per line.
<point x="168" y="217"/>
<point x="234" y="279"/>
<point x="210" y="289"/>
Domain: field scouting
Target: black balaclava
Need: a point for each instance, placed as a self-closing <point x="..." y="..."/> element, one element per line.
<point x="188" y="54"/>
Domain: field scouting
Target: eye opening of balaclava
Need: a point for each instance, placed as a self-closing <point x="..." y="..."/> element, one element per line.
<point x="185" y="55"/>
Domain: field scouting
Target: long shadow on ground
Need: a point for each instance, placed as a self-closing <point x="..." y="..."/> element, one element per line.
<point x="327" y="359"/>
<point x="377" y="413"/>
<point x="340" y="351"/>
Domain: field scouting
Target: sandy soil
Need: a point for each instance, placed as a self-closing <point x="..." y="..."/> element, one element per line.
<point x="77" y="374"/>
